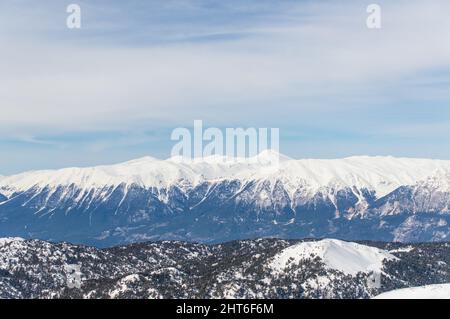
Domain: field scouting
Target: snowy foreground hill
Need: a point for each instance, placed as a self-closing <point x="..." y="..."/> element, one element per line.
<point x="262" y="268"/>
<point x="215" y="200"/>
<point x="424" y="292"/>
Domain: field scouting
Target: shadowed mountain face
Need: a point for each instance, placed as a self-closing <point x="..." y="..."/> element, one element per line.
<point x="221" y="211"/>
<point x="263" y="268"/>
<point x="355" y="199"/>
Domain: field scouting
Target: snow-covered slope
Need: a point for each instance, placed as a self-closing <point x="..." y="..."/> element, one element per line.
<point x="347" y="257"/>
<point x="379" y="174"/>
<point x="425" y="292"/>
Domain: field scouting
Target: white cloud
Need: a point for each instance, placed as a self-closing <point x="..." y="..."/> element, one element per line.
<point x="324" y="62"/>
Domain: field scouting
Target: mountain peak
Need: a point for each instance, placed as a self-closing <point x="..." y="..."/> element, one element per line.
<point x="265" y="156"/>
<point x="141" y="160"/>
<point x="272" y="156"/>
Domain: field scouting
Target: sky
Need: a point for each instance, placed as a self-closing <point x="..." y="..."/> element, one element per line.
<point x="116" y="88"/>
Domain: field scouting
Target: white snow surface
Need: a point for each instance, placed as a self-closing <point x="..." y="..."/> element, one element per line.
<point x="441" y="291"/>
<point x="379" y="174"/>
<point x="8" y="240"/>
<point x="347" y="257"/>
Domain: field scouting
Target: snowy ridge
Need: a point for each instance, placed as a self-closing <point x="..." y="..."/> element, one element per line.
<point x="441" y="291"/>
<point x="347" y="257"/>
<point x="379" y="174"/>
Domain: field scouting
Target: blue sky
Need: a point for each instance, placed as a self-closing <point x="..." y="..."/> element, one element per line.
<point x="116" y="88"/>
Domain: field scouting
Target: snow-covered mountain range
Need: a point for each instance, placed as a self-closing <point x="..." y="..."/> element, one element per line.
<point x="217" y="199"/>
<point x="379" y="174"/>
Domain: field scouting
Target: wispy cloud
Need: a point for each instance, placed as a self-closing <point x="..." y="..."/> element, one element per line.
<point x="283" y="63"/>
